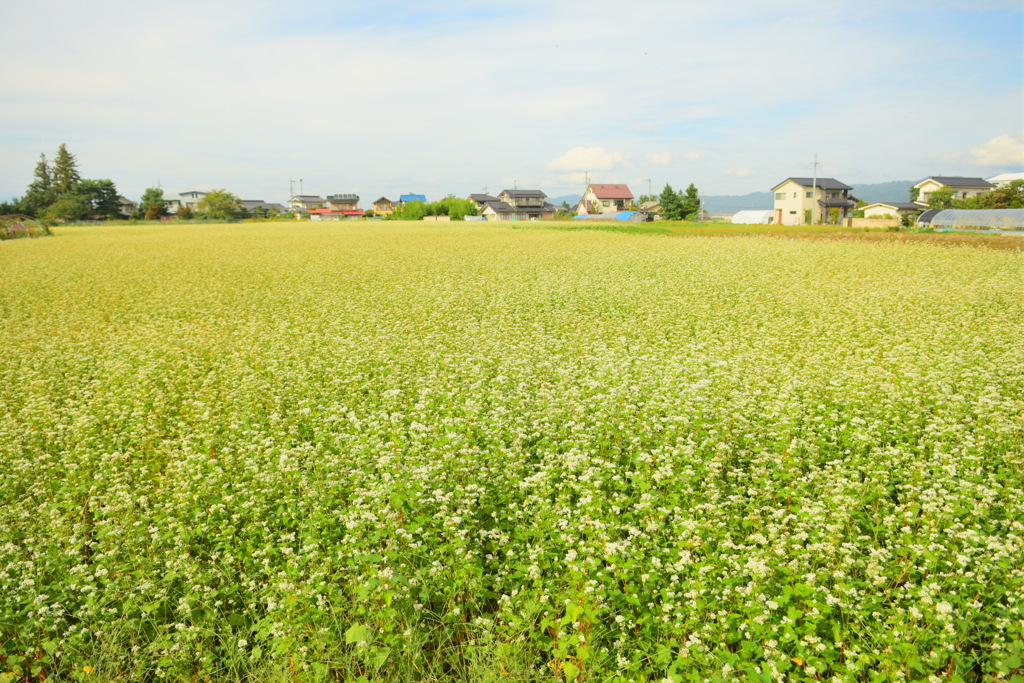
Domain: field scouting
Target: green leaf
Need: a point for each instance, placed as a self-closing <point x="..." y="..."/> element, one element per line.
<point x="357" y="633"/>
<point x="571" y="671"/>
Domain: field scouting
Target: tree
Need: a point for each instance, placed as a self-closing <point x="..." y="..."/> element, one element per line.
<point x="40" y="193"/>
<point x="691" y="203"/>
<point x="941" y="199"/>
<point x="219" y="204"/>
<point x="915" y="192"/>
<point x="100" y="196"/>
<point x="65" y="171"/>
<point x="1009" y="196"/>
<point x="15" y="205"/>
<point x="410" y="211"/>
<point x="68" y="207"/>
<point x="152" y="205"/>
<point x="671" y="204"/>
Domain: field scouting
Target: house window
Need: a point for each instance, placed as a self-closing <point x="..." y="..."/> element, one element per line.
<point x="792" y="213"/>
<point x="810" y="195"/>
<point x="605" y="202"/>
<point x="780" y="195"/>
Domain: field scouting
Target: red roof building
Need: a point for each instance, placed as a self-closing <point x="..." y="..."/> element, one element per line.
<point x="604" y="197"/>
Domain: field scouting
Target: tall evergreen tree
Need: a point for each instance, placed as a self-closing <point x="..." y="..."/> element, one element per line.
<point x="671" y="204"/>
<point x="152" y="205"/>
<point x="691" y="203"/>
<point x="65" y="171"/>
<point x="40" y="193"/>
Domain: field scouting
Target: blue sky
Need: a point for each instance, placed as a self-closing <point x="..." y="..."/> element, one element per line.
<point x="455" y="96"/>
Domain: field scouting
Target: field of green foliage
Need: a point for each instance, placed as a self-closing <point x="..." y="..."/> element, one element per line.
<point x="411" y="452"/>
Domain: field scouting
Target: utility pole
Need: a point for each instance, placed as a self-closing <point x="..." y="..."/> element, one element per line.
<point x="814" y="188"/>
<point x="291" y="189"/>
<point x="649" y="187"/>
<point x="301" y="192"/>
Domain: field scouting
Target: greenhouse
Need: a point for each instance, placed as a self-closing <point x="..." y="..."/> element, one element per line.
<point x="1005" y="219"/>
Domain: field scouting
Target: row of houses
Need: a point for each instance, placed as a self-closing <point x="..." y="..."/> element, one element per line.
<point x="827" y="200"/>
<point x="508" y="205"/>
<point x="798" y="200"/>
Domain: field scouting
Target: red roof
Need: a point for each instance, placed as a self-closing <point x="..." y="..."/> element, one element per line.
<point x="611" y="192"/>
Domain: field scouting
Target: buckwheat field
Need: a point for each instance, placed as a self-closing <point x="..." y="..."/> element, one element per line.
<point x="402" y="452"/>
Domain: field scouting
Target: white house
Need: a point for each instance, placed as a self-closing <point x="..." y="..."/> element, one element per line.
<point x="801" y="201"/>
<point x="963" y="188"/>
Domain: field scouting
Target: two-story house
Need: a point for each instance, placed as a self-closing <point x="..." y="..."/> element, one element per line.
<point x="343" y="203"/>
<point x="602" y="198"/>
<point x="802" y="201"/>
<point x="962" y="188"/>
<point x="515" y="205"/>
<point x="383" y="207"/>
<point x="304" y="202"/>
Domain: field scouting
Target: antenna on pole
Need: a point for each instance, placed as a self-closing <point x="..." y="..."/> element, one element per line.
<point x="649" y="187"/>
<point x="291" y="189"/>
<point x="814" y="187"/>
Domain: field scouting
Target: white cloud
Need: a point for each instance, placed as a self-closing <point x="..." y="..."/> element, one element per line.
<point x="587" y="159"/>
<point x="659" y="158"/>
<point x="693" y="156"/>
<point x="739" y="172"/>
<point x="1004" y="150"/>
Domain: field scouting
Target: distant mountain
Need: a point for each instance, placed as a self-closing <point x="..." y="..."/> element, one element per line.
<point x="572" y="199"/>
<point x="734" y="203"/>
<point x="893" y="191"/>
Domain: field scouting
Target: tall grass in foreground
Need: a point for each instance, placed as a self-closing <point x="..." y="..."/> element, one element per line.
<point x="408" y="452"/>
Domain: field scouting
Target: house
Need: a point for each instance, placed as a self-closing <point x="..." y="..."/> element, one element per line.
<point x="344" y="203"/>
<point x="962" y="188"/>
<point x="529" y="204"/>
<point x="126" y="206"/>
<point x="602" y="198"/>
<point x="891" y="209"/>
<point x="1005" y="178"/>
<point x="497" y="211"/>
<point x="803" y="201"/>
<point x="383" y="207"/>
<point x="304" y="202"/>
<point x="258" y="206"/>
<point x="191" y="199"/>
<point x="184" y="200"/>
<point x="406" y="198"/>
<point x="515" y="205"/>
<point x="481" y="200"/>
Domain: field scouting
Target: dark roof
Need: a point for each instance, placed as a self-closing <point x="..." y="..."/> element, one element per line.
<point x="500" y="207"/>
<point x="838" y="202"/>
<point x="481" y="198"/>
<point x="523" y="193"/>
<point x="823" y="183"/>
<point x="383" y="199"/>
<point x="306" y="198"/>
<point x="952" y="181"/>
<point x="342" y="197"/>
